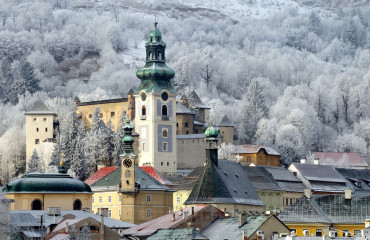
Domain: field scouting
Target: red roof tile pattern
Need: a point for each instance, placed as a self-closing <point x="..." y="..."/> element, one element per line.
<point x="157" y="175"/>
<point x="340" y="158"/>
<point x="99" y="175"/>
<point x="164" y="222"/>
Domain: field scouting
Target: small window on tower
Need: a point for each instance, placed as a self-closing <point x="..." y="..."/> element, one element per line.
<point x="159" y="55"/>
<point x="44" y="119"/>
<point x="150" y="52"/>
<point x="186" y="124"/>
<point x="168" y="163"/>
<point x="143" y="111"/>
<point x="165" y="147"/>
<point x="34" y="119"/>
<point x="164" y="110"/>
<point x="144" y="146"/>
<point x="37" y="129"/>
<point x="112" y="114"/>
<point x="37" y="141"/>
<point x="46" y="129"/>
<point x="164" y="133"/>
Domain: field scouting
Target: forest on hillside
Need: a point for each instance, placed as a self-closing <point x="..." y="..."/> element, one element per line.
<point x="297" y="80"/>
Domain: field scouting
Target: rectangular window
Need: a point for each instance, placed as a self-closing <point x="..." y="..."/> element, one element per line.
<point x="90" y="115"/>
<point x="119" y="213"/>
<point x="346" y="233"/>
<point x="112" y="114"/>
<point x="46" y="129"/>
<point x="260" y="159"/>
<point x="37" y="141"/>
<point x="271" y="160"/>
<point x="148" y="198"/>
<point x="267" y="161"/>
<point x="109" y="213"/>
<point x="318" y="232"/>
<point x="93" y="199"/>
<point x="44" y="119"/>
<point x="161" y="163"/>
<point x="178" y="200"/>
<point x="34" y="119"/>
<point x="100" y="199"/>
<point x="357" y="232"/>
<point x="143" y="146"/>
<point x="291" y="201"/>
<point x="148" y="213"/>
<point x="306" y="232"/>
<point x="109" y="199"/>
<point x="249" y="159"/>
<point x="186" y="132"/>
<point x="165" y="146"/>
<point x="168" y="163"/>
<point x="120" y="198"/>
<point x="37" y="129"/>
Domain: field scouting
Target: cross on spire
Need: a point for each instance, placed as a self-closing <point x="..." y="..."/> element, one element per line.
<point x="155" y="20"/>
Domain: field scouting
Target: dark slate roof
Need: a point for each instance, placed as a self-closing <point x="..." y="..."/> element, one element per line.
<point x="197" y="101"/>
<point x="188" y="185"/>
<point x="228" y="228"/>
<point x="117" y="100"/>
<point x="46" y="183"/>
<point x="358" y="180"/>
<point x="181" y="109"/>
<point x="40" y="109"/>
<point x="130" y="92"/>
<point x="328" y="209"/>
<point x="322" y="173"/>
<point x="30" y="218"/>
<point x="261" y="179"/>
<point x="225" y="183"/>
<point x="178" y="234"/>
<point x="195" y="173"/>
<point x="334" y="187"/>
<point x="225" y="122"/>
<point x="285" y="179"/>
<point x="113" y="179"/>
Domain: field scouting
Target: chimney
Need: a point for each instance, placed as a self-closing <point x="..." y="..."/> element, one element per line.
<point x="303" y="161"/>
<point x="367" y="223"/>
<point x="67" y="227"/>
<point x="307" y="193"/>
<point x="242" y="218"/>
<point x="316" y="161"/>
<point x="261" y="145"/>
<point x="227" y="215"/>
<point x="293" y="233"/>
<point x="181" y="212"/>
<point x="192" y="210"/>
<point x="348" y="194"/>
<point x="186" y="214"/>
<point x="173" y="217"/>
<point x="101" y="227"/>
<point x="245" y="236"/>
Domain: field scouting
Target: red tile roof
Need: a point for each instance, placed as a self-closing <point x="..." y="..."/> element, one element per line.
<point x="164" y="222"/>
<point x="157" y="175"/>
<point x="340" y="158"/>
<point x="99" y="175"/>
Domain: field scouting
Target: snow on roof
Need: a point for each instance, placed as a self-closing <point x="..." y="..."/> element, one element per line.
<point x="336" y="158"/>
<point x="181" y="109"/>
<point x="225" y="122"/>
<point x="39" y="108"/>
<point x="254" y="149"/>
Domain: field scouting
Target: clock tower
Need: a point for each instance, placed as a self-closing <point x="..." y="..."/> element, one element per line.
<point x="155" y="102"/>
<point x="128" y="160"/>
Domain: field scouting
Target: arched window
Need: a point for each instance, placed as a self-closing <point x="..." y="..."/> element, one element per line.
<point x="177" y="124"/>
<point x="143" y="111"/>
<point x="159" y="55"/>
<point x="77" y="204"/>
<point x="149" y="55"/>
<point x="186" y="124"/>
<point x="165" y="133"/>
<point x="36" y="204"/>
<point x="127" y="173"/>
<point x="164" y="110"/>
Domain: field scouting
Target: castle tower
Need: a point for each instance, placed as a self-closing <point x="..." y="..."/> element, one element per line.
<point x="40" y="129"/>
<point x="226" y="130"/>
<point x="128" y="160"/>
<point x="155" y="104"/>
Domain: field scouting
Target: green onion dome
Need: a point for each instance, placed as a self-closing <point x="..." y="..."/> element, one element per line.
<point x="211" y="131"/>
<point x="46" y="183"/>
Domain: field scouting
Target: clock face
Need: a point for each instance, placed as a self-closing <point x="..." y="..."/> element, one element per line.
<point x="127" y="163"/>
<point x="143" y="96"/>
<point x="164" y="96"/>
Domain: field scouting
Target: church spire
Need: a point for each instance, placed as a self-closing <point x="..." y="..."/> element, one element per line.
<point x="155" y="75"/>
<point x="127" y="139"/>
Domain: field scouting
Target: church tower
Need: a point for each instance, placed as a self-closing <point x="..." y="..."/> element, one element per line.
<point x="128" y="160"/>
<point x="155" y="105"/>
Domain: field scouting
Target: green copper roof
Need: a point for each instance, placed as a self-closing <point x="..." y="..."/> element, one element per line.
<point x="46" y="183"/>
<point x="155" y="75"/>
<point x="127" y="139"/>
<point x="211" y="132"/>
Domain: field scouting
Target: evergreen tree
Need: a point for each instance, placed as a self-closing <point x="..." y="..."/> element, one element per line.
<point x="350" y="34"/>
<point x="57" y="151"/>
<point x="314" y="23"/>
<point x="117" y="140"/>
<point x="35" y="165"/>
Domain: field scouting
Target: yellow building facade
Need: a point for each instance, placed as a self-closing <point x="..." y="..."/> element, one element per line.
<point x="258" y="155"/>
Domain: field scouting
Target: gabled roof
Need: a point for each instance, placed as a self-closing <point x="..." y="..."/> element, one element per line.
<point x="30" y="218"/>
<point x="340" y="159"/>
<point x="322" y="173"/>
<point x="39" y="108"/>
<point x="328" y="209"/>
<point x="157" y="175"/>
<point x="228" y="228"/>
<point x="225" y="122"/>
<point x="261" y="179"/>
<point x="225" y="183"/>
<point x="113" y="179"/>
<point x="164" y="222"/>
<point x="254" y="149"/>
<point x="285" y="179"/>
<point x="178" y="234"/>
<point x="99" y="175"/>
<point x="181" y="109"/>
<point x="197" y="101"/>
<point x="357" y="179"/>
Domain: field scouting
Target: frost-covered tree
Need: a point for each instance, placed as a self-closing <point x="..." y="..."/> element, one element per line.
<point x="227" y="151"/>
<point x="117" y="140"/>
<point x="34" y="164"/>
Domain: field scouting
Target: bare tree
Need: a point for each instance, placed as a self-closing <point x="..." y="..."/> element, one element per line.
<point x="206" y="73"/>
